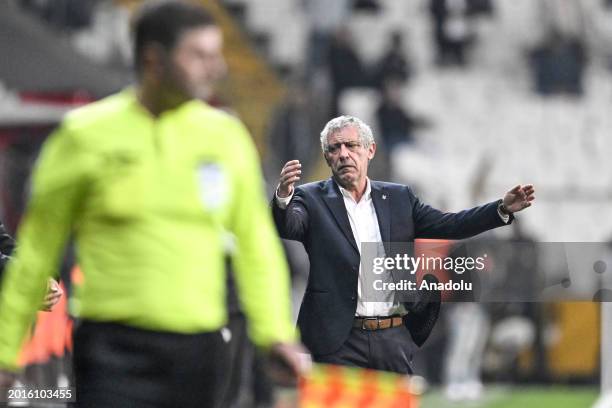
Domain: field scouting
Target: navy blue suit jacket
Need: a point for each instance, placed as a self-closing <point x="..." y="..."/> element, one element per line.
<point x="317" y="217"/>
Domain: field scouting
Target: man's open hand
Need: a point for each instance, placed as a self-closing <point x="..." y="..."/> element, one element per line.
<point x="53" y="296"/>
<point x="289" y="175"/>
<point x="519" y="198"/>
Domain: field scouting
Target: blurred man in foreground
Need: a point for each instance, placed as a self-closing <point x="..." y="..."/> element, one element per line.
<point x="333" y="219"/>
<point x="147" y="181"/>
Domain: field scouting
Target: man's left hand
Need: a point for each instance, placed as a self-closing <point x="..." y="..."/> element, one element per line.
<point x="519" y="198"/>
<point x="53" y="296"/>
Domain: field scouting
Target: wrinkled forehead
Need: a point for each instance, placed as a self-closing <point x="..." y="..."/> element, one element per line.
<point x="346" y="134"/>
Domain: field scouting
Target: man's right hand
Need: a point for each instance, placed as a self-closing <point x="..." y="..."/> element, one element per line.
<point x="287" y="363"/>
<point x="289" y="175"/>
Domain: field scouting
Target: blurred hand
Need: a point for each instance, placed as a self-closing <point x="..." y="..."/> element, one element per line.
<point x="519" y="198"/>
<point x="53" y="296"/>
<point x="288" y="362"/>
<point x="289" y="175"/>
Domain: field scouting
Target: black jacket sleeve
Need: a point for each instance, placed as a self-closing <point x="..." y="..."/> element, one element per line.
<point x="7" y="246"/>
<point x="432" y="223"/>
<point x="292" y="222"/>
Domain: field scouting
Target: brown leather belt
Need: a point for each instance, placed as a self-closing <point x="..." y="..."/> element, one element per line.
<point x="377" y="323"/>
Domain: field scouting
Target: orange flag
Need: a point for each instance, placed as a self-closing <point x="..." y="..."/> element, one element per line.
<point x="329" y="386"/>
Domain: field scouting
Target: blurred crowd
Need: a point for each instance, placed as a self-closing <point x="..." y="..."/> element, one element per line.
<point x="556" y="59"/>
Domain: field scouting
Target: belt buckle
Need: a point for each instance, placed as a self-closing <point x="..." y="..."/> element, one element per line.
<point x="363" y="327"/>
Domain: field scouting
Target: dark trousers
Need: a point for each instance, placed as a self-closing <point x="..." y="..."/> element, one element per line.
<point x="120" y="366"/>
<point x="237" y="347"/>
<point x="387" y="350"/>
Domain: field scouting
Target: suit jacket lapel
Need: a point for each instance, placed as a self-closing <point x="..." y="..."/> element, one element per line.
<point x="381" y="198"/>
<point x="334" y="201"/>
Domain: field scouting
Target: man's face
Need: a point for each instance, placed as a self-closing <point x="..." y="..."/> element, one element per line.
<point x="348" y="158"/>
<point x="196" y="62"/>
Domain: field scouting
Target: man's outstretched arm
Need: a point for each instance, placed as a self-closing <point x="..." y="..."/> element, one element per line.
<point x="432" y="223"/>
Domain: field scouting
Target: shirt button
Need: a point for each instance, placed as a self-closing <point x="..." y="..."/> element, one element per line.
<point x="353" y="297"/>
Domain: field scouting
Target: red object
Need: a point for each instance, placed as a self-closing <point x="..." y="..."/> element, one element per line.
<point x="76" y="98"/>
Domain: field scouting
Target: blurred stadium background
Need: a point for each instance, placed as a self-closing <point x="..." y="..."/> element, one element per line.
<point x="466" y="98"/>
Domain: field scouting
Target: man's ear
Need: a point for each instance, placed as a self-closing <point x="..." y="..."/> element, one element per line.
<point x="327" y="160"/>
<point x="372" y="151"/>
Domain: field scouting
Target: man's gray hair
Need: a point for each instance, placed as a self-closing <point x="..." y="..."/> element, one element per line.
<point x="341" y="122"/>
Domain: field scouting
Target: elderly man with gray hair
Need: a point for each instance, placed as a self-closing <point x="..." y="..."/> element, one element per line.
<point x="333" y="218"/>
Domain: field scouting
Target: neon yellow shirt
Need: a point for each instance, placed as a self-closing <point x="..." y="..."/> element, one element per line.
<point x="148" y="201"/>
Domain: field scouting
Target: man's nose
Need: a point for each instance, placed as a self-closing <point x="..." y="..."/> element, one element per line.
<point x="344" y="151"/>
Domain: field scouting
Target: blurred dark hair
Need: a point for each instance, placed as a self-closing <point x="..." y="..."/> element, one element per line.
<point x="163" y="22"/>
